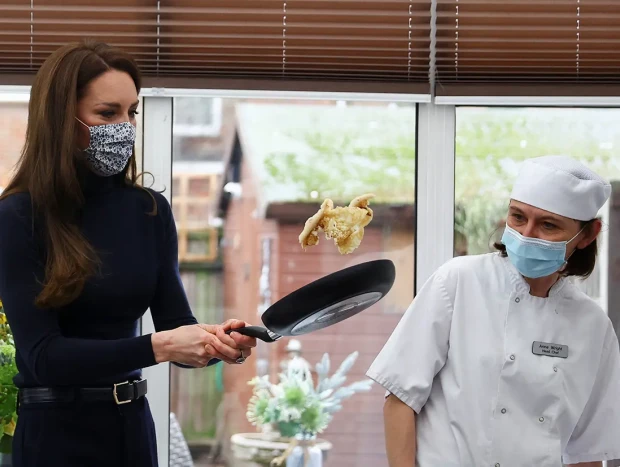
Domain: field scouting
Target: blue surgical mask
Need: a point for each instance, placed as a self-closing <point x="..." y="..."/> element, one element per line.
<point x="535" y="257"/>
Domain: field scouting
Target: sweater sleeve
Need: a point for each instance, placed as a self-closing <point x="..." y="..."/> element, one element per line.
<point x="53" y="359"/>
<point x="170" y="307"/>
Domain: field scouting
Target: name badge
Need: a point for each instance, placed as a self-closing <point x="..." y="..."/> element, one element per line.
<point x="550" y="350"/>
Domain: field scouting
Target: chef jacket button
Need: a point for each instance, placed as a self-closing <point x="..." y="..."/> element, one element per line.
<point x="503" y="410"/>
<point x="497" y="464"/>
<point x="541" y="419"/>
<point x="512" y="357"/>
<point x="517" y="299"/>
<point x="555" y="368"/>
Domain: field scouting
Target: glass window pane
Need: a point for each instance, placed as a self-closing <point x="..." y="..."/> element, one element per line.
<point x="491" y="142"/>
<point x="194" y="119"/>
<point x="13" y="122"/>
<point x="241" y="198"/>
<point x="193" y="111"/>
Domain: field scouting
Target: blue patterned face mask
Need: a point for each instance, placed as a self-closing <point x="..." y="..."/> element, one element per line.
<point x="110" y="148"/>
<point x="535" y="257"/>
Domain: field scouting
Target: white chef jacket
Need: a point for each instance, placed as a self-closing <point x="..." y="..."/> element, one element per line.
<point x="462" y="357"/>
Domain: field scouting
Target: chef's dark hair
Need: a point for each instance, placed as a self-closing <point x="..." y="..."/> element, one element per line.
<point x="582" y="261"/>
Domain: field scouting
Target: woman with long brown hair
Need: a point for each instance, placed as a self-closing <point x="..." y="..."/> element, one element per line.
<point x="84" y="252"/>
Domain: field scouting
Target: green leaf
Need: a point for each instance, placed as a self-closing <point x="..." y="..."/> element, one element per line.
<point x="8" y="401"/>
<point x="288" y="429"/>
<point x="6" y="444"/>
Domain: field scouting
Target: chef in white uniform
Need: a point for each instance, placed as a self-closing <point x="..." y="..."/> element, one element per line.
<point x="501" y="360"/>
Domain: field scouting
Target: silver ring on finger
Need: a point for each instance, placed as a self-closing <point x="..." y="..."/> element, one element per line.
<point x="241" y="359"/>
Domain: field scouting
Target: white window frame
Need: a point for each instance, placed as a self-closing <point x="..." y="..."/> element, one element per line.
<point x="15" y="94"/>
<point x="156" y="140"/>
<point x="435" y="181"/>
<point x="529" y="101"/>
<point x="434" y="243"/>
<point x="157" y="159"/>
<point x="284" y="95"/>
<point x="157" y="150"/>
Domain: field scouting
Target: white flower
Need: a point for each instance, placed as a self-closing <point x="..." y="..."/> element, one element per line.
<point x="290" y="414"/>
<point x="296" y="394"/>
<point x="276" y="390"/>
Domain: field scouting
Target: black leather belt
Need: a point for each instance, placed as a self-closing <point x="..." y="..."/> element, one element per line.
<point x="121" y="393"/>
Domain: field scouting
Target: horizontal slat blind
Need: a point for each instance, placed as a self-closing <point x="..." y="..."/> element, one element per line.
<point x="31" y="30"/>
<point x="502" y="46"/>
<point x="381" y="44"/>
<point x="479" y="47"/>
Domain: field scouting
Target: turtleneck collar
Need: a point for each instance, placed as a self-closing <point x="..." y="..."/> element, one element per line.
<point x="93" y="184"/>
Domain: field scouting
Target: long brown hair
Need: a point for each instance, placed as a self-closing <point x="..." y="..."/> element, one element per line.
<point x="49" y="167"/>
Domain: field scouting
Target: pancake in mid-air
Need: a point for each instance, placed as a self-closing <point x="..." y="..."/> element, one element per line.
<point x="345" y="225"/>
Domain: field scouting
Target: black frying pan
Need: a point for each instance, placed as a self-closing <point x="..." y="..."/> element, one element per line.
<point x="325" y="302"/>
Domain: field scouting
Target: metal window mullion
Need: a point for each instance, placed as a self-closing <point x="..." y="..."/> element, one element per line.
<point x="435" y="189"/>
<point x="157" y="159"/>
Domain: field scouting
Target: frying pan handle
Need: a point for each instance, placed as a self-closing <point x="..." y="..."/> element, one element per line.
<point x="253" y="331"/>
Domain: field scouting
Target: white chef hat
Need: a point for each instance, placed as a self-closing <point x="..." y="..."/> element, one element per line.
<point x="561" y="185"/>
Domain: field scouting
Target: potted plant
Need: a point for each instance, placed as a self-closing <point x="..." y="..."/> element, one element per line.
<point x="298" y="409"/>
<point x="8" y="391"/>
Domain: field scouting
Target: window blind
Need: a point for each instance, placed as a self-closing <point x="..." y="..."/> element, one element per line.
<point x="373" y="45"/>
<point x="527" y="46"/>
<point x="453" y="47"/>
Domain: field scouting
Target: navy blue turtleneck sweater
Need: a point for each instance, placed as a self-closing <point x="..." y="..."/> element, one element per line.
<point x="94" y="340"/>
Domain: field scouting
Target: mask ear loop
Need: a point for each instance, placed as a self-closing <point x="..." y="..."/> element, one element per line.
<point x="89" y="135"/>
<point x="82" y="122"/>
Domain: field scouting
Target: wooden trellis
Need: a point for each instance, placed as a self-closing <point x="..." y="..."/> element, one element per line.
<point x="192" y="201"/>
